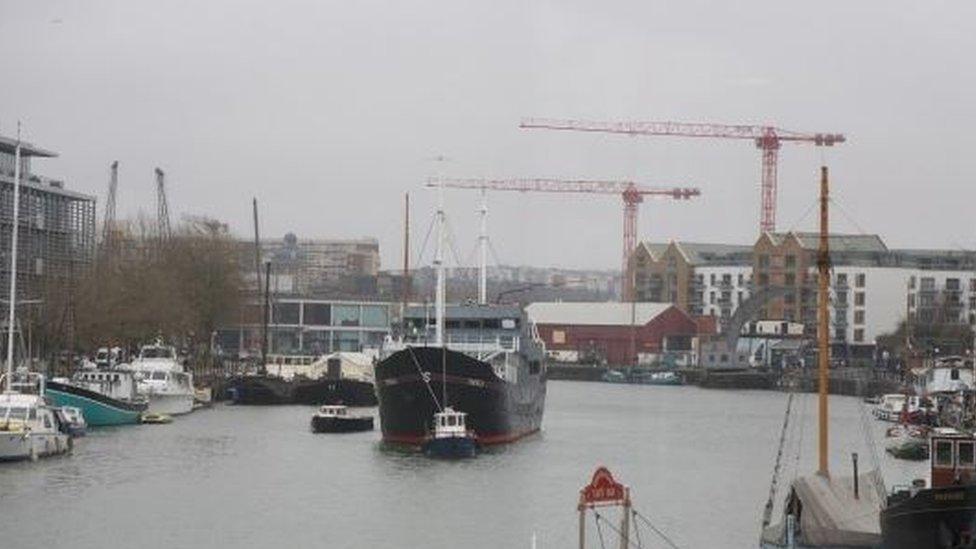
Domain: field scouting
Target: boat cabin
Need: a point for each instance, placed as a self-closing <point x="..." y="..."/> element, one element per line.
<point x="25" y="412"/>
<point x="119" y="384"/>
<point x="953" y="456"/>
<point x="450" y="424"/>
<point x="947" y="375"/>
<point x="333" y="411"/>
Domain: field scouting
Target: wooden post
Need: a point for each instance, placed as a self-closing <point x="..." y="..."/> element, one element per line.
<point x="582" y="526"/>
<point x="625" y="523"/>
<point x="823" y="333"/>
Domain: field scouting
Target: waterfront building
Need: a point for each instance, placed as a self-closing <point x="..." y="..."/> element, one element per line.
<point x="319" y="266"/>
<point x="873" y="288"/>
<point x="613" y="332"/>
<point x="310" y="326"/>
<point x="56" y="238"/>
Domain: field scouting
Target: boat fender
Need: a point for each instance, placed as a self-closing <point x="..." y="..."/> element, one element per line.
<point x="71" y="444"/>
<point x="33" y="453"/>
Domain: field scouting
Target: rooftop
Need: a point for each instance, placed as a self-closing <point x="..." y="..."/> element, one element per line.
<point x="839" y="243"/>
<point x="595" y="314"/>
<point x="9" y="145"/>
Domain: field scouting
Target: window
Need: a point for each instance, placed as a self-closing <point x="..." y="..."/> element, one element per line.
<point x="972" y="284"/>
<point x="711" y="297"/>
<point x="840" y="334"/>
<point x="741" y="279"/>
<point x="859" y="280"/>
<point x="926" y="283"/>
<point x="345" y="315"/>
<point x="943" y="453"/>
<point x="284" y="313"/>
<point x="724" y="358"/>
<point x="859" y="299"/>
<point x="535" y="367"/>
<point x="911" y="300"/>
<point x="711" y="279"/>
<point x="790" y="261"/>
<point x="954" y="374"/>
<point x="859" y="317"/>
<point x="952" y="284"/>
<point x="316" y="314"/>
<point x="740" y="298"/>
<point x="859" y="335"/>
<point x="967" y="454"/>
<point x="375" y="316"/>
<point x="841" y="297"/>
<point x="47" y="421"/>
<point x="790" y="279"/>
<point x="842" y="279"/>
<point x="558" y="337"/>
<point x="763" y="260"/>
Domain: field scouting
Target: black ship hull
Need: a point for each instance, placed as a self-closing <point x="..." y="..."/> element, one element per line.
<point x="933" y="518"/>
<point x="270" y="390"/>
<point x="498" y="410"/>
<point x="321" y="424"/>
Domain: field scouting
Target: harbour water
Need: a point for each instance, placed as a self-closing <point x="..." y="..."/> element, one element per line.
<point x="698" y="463"/>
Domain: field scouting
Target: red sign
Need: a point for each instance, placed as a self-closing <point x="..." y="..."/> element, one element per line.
<point x="603" y="489"/>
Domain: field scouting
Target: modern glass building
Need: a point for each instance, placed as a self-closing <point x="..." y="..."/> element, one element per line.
<point x="310" y="326"/>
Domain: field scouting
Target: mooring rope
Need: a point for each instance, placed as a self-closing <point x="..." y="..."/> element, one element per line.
<point x="424" y="379"/>
<point x="768" y="511"/>
<point x="647" y="521"/>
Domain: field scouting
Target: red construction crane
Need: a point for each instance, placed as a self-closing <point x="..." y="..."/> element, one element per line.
<point x="767" y="138"/>
<point x="631" y="192"/>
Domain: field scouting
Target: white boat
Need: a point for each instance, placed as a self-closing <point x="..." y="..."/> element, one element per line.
<point x="29" y="427"/>
<point x="163" y="380"/>
<point x="893" y="405"/>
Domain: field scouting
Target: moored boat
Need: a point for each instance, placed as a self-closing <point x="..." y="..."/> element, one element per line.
<point x="29" y="426"/>
<point x="941" y="513"/>
<point x="336" y="419"/>
<point x="344" y="378"/>
<point x="104" y="397"/>
<point x="72" y="421"/>
<point x="450" y="438"/>
<point x="163" y="380"/>
<point x="659" y="378"/>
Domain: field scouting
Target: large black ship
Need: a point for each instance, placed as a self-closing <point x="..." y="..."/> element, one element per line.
<point x="942" y="514"/>
<point x="491" y="366"/>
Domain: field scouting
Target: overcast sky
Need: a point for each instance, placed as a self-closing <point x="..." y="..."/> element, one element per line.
<point x="328" y="112"/>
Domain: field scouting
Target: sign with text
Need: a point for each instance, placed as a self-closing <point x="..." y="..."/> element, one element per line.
<point x="603" y="489"/>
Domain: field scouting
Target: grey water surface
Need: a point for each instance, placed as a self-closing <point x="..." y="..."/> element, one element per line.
<point x="698" y="463"/>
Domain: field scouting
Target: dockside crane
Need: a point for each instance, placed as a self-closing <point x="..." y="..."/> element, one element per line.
<point x="162" y="208"/>
<point x="631" y="192"/>
<point x="768" y="140"/>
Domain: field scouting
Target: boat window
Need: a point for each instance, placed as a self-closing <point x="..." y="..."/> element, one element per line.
<point x="954" y="374"/>
<point x="47" y="421"/>
<point x="159" y="375"/>
<point x="534" y="367"/>
<point x="32" y="414"/>
<point x="943" y="453"/>
<point x="18" y="413"/>
<point x="967" y="458"/>
<point x="450" y="421"/>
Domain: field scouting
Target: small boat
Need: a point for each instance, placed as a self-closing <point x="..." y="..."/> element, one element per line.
<point x="72" y="421"/>
<point x="940" y="513"/>
<point x="659" y="378"/>
<point x="336" y="419"/>
<point x="164" y="381"/>
<point x="909" y="442"/>
<point x="29" y="427"/>
<point x="154" y="418"/>
<point x="614" y="376"/>
<point x="451" y="438"/>
<point x="898" y="407"/>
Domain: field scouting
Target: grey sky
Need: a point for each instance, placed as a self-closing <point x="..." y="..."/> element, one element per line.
<point x="329" y="111"/>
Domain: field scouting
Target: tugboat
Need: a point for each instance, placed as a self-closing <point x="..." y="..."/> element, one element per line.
<point x="451" y="438"/>
<point x="943" y="515"/>
<point x="104" y="397"/>
<point x="336" y="419"/>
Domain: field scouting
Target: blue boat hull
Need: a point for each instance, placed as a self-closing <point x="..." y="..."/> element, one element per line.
<point x="98" y="410"/>
<point x="450" y="448"/>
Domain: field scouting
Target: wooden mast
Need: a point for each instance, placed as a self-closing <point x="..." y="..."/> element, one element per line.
<point x="823" y="330"/>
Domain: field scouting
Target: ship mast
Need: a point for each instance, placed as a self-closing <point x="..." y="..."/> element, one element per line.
<point x="439" y="268"/>
<point x="483" y="243"/>
<point x="823" y="335"/>
<point x="13" y="265"/>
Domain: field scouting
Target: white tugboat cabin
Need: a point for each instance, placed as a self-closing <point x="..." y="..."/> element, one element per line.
<point x="450" y="424"/>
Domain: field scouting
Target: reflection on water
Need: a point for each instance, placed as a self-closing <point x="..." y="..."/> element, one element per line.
<point x="698" y="463"/>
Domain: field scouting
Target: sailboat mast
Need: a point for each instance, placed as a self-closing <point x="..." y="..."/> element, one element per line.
<point x="405" y="291"/>
<point x="483" y="242"/>
<point x="439" y="268"/>
<point x="823" y="330"/>
<point x="13" y="265"/>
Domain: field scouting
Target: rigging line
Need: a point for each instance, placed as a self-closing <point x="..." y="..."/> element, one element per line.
<point x="452" y="241"/>
<point x="647" y="521"/>
<point x="847" y="216"/>
<point x="425" y="379"/>
<point x="599" y="530"/>
<point x="423" y="247"/>
<point x="768" y="510"/>
<point x="813" y="204"/>
<point x="617" y="530"/>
